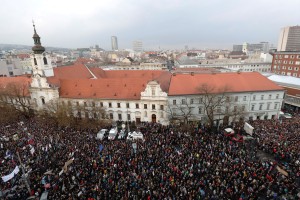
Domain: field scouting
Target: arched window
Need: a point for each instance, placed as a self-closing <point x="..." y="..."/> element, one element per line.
<point x="45" y="61"/>
<point x="43" y="101"/>
<point x="35" y="62"/>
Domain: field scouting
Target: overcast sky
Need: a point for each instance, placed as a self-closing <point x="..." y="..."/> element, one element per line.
<point x="157" y="23"/>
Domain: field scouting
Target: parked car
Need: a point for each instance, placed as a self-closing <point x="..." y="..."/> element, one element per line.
<point x="135" y="136"/>
<point x="101" y="134"/>
<point x="112" y="133"/>
<point x="287" y="115"/>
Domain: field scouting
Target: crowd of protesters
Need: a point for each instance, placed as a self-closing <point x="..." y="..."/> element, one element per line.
<point x="65" y="163"/>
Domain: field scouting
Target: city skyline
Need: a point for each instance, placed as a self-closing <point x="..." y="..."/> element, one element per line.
<point x="163" y="24"/>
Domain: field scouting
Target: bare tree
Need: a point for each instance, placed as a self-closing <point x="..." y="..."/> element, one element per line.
<point x="212" y="98"/>
<point x="16" y="95"/>
<point x="80" y="116"/>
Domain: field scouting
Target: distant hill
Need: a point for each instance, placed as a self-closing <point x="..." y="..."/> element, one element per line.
<point x="8" y="47"/>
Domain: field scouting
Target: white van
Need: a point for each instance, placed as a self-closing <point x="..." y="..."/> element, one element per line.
<point x="112" y="133"/>
<point x="101" y="134"/>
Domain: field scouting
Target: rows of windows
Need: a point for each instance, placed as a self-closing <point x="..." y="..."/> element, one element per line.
<point x="261" y="106"/>
<point x="286" y="67"/>
<point x="118" y="105"/>
<point x="287" y="56"/>
<point x="235" y="98"/>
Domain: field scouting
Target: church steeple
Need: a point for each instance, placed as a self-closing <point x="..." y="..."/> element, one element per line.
<point x="37" y="48"/>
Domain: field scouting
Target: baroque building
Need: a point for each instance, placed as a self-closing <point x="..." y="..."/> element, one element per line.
<point x="146" y="95"/>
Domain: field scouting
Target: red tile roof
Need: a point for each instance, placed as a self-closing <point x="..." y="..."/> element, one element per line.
<point x="76" y="71"/>
<point x="23" y="55"/>
<point x="184" y="84"/>
<point x="113" y="85"/>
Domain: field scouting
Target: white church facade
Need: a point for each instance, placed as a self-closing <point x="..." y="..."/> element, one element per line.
<point x="144" y="95"/>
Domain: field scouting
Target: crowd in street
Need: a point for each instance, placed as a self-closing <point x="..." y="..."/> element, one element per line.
<point x="64" y="163"/>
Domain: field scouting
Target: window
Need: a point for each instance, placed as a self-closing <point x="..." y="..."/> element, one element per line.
<point x="254" y="97"/>
<point x="137" y="106"/>
<point x="109" y="104"/>
<point x="119" y="105"/>
<point x="120" y="116"/>
<point x="252" y="107"/>
<point x="268" y="106"/>
<point x="260" y="106"/>
<point x="297" y="63"/>
<point x="127" y="105"/>
<point x="227" y="99"/>
<point x="243" y="108"/>
<point x="296" y="68"/>
<point x="200" y="110"/>
<point x="111" y="116"/>
<point x="161" y="107"/>
<point x="295" y="74"/>
<point x="145" y="106"/>
<point x="93" y="104"/>
<point x="286" y="56"/>
<point x="201" y="100"/>
<point x="35" y="62"/>
<point x="262" y="97"/>
<point x="270" y="96"/>
<point x="174" y="102"/>
<point x="69" y="103"/>
<point x="101" y="104"/>
<point x="283" y="73"/>
<point x="45" y="61"/>
<point x="128" y="117"/>
<point x="234" y="108"/>
<point x="236" y="98"/>
<point x="77" y="103"/>
<point x="95" y="115"/>
<point x="291" y="62"/>
<point x="277" y="96"/>
<point x="43" y="101"/>
<point x="226" y="109"/>
<point x="245" y="98"/>
<point x="191" y="101"/>
<point x="84" y="103"/>
<point x="275" y="106"/>
<point x="153" y="106"/>
<point x="289" y="68"/>
<point x="183" y="101"/>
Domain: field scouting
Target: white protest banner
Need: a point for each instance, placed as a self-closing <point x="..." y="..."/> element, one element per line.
<point x="11" y="175"/>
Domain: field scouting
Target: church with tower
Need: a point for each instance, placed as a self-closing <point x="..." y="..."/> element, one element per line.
<point x="41" y="91"/>
<point x="142" y="95"/>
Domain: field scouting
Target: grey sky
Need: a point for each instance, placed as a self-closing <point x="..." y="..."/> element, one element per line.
<point x="165" y="23"/>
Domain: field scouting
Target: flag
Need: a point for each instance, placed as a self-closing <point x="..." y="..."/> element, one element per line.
<point x="101" y="147"/>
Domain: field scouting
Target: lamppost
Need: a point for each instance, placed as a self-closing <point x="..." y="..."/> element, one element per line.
<point x="24" y="174"/>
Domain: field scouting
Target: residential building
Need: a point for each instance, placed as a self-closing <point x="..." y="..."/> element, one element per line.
<point x="289" y="39"/>
<point x="246" y="47"/>
<point x="286" y="63"/>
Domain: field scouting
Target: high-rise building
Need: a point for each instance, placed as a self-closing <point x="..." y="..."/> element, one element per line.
<point x="137" y="46"/>
<point x="289" y="39"/>
<point x="114" y="43"/>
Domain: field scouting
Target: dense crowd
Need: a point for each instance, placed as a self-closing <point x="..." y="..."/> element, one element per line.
<point x="64" y="163"/>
